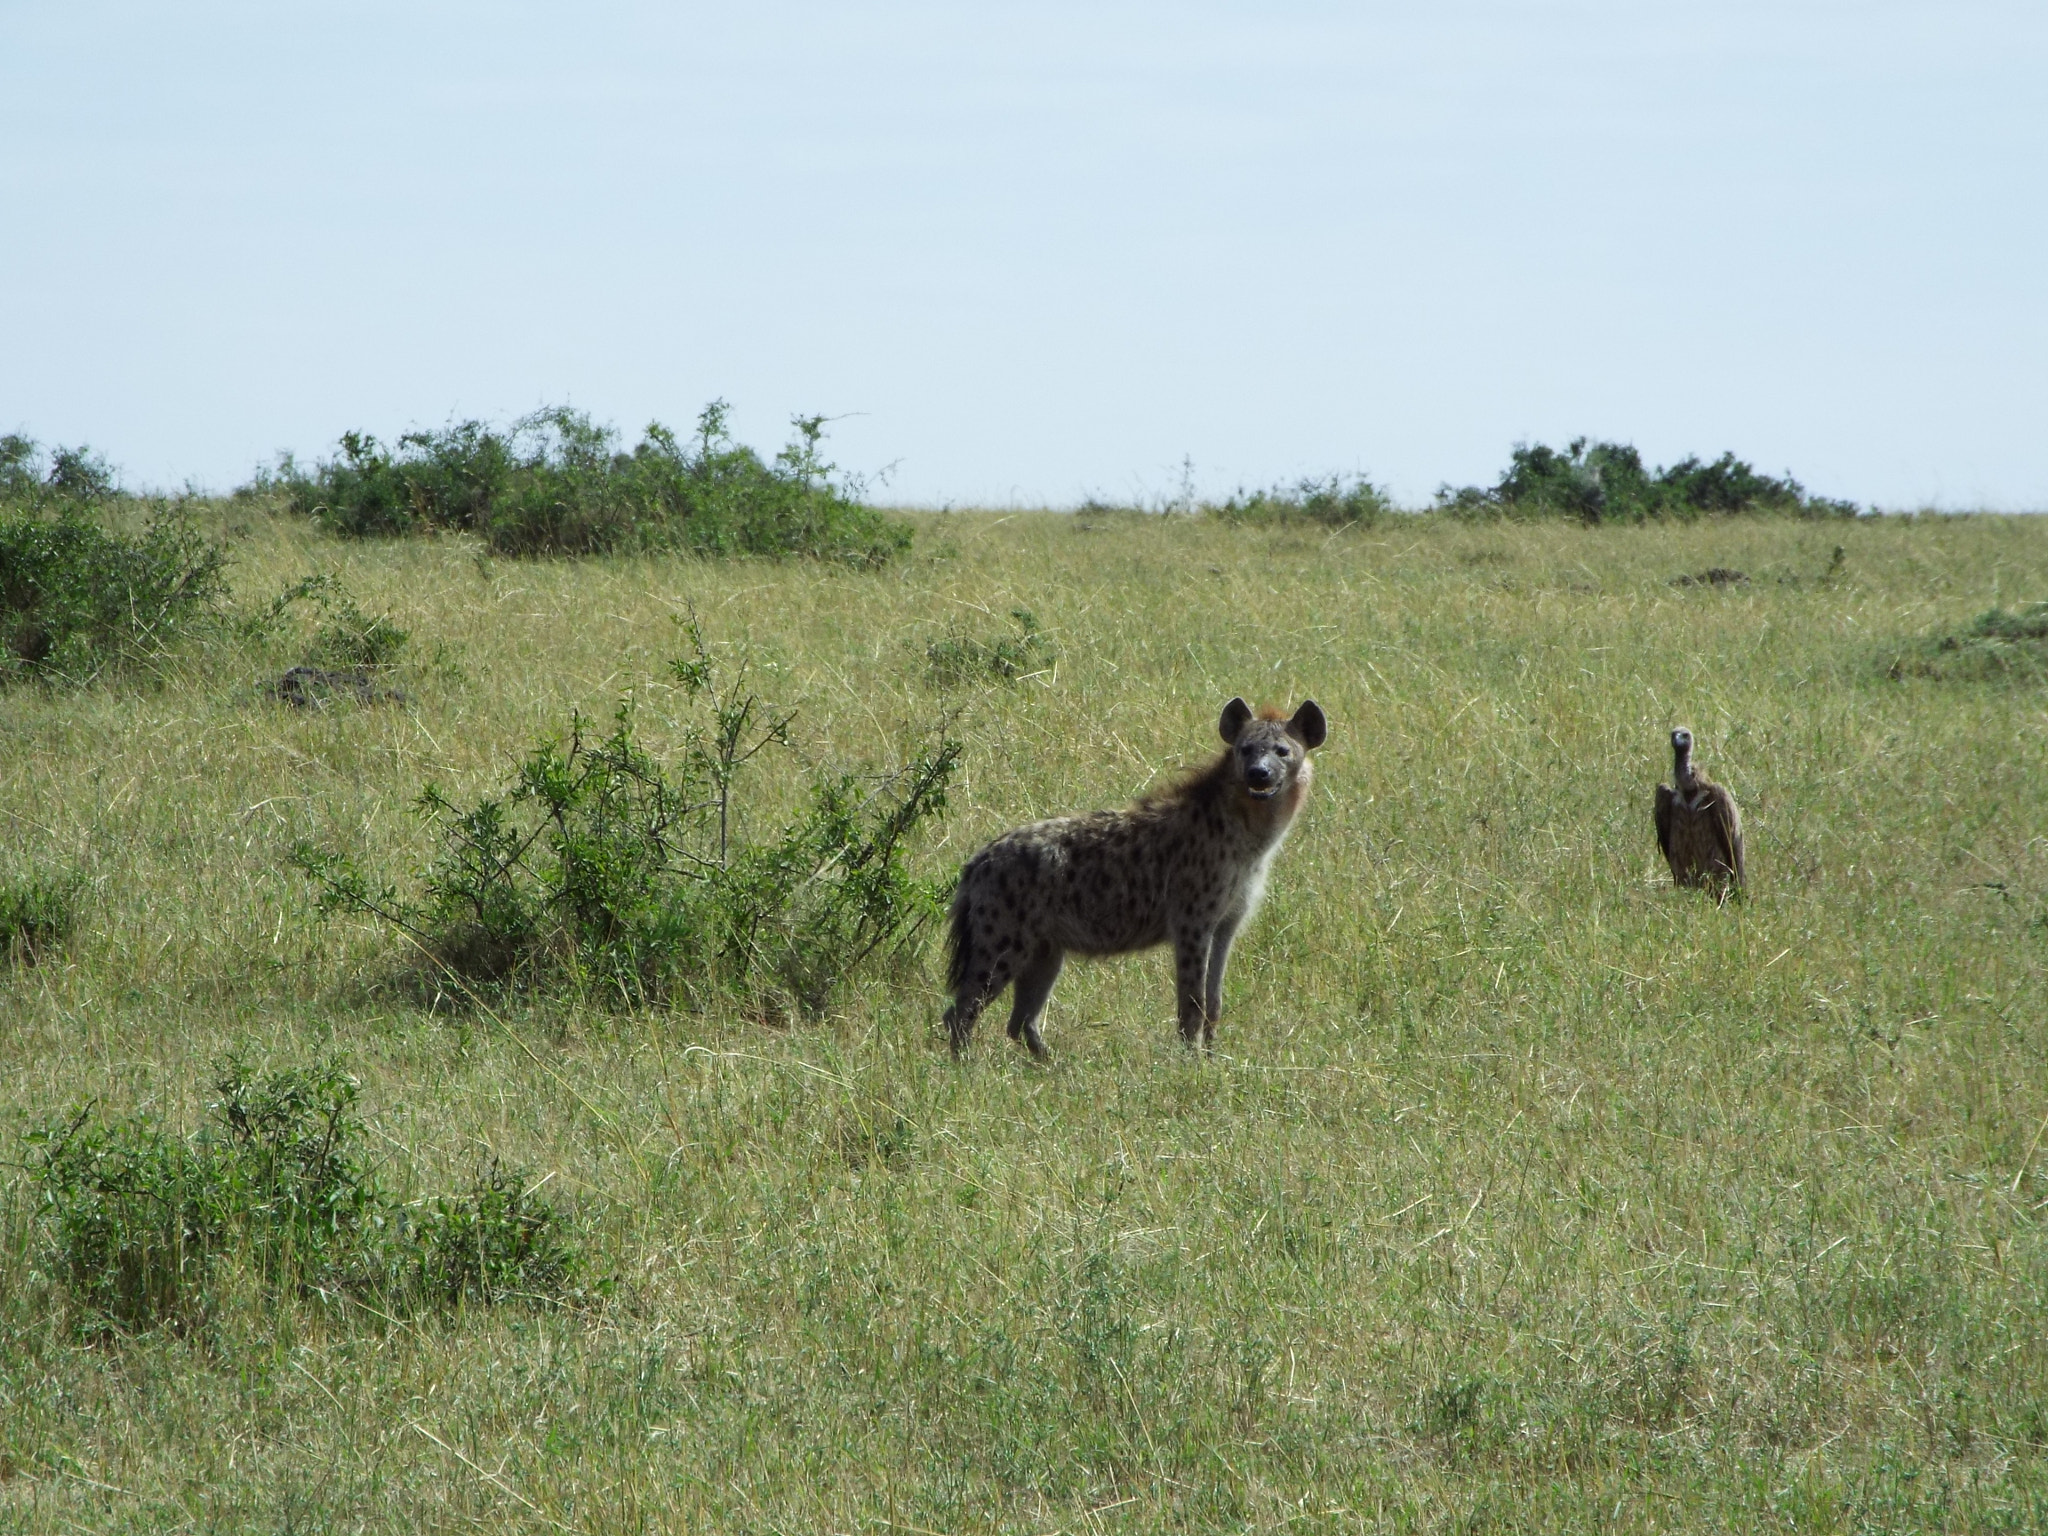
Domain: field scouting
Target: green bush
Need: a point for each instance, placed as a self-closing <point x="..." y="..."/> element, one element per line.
<point x="557" y="483"/>
<point x="36" y="915"/>
<point x="602" y="869"/>
<point x="1332" y="502"/>
<point x="962" y="658"/>
<point x="142" y="1220"/>
<point x="1607" y="482"/>
<point x="76" y="597"/>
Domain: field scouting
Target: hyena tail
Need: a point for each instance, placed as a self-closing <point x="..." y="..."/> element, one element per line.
<point x="959" y="944"/>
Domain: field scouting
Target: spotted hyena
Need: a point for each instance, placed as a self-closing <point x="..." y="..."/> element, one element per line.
<point x="1185" y="865"/>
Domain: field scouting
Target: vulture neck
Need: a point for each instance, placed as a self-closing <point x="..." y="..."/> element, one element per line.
<point x="1684" y="780"/>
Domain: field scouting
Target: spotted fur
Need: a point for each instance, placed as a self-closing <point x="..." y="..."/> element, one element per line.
<point x="1186" y="866"/>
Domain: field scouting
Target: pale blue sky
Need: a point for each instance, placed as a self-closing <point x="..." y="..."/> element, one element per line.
<point x="1033" y="252"/>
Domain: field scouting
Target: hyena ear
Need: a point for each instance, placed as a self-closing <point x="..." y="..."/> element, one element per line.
<point x="1308" y="725"/>
<point x="1235" y="715"/>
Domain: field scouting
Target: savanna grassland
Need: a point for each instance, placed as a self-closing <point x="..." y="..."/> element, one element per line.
<point x="1524" y="1192"/>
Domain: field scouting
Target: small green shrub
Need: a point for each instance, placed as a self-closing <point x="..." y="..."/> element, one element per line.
<point x="286" y="1167"/>
<point x="1607" y="482"/>
<point x="1335" y="501"/>
<point x="141" y="1216"/>
<point x="344" y="636"/>
<point x="352" y="638"/>
<point x="76" y="598"/>
<point x="143" y="1220"/>
<point x="497" y="1242"/>
<point x="602" y="869"/>
<point x="129" y="1210"/>
<point x="962" y="658"/>
<point x="36" y="915"/>
<point x="555" y="482"/>
<point x="79" y="474"/>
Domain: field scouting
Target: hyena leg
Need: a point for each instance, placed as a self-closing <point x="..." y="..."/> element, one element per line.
<point x="1191" y="974"/>
<point x="1034" y="986"/>
<point x="974" y="995"/>
<point x="1219" y="961"/>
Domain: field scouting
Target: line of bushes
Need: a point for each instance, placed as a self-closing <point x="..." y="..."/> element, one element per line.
<point x="555" y="482"/>
<point x="602" y="869"/>
<point x="145" y="1225"/>
<point x="1334" y="501"/>
<point x="1608" y="482"/>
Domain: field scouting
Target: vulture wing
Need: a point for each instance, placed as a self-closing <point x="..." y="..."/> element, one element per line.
<point x="1726" y="821"/>
<point x="1662" y="816"/>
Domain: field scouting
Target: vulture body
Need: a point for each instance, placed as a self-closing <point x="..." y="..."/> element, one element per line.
<point x="1698" y="825"/>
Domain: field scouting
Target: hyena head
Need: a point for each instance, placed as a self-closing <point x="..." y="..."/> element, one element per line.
<point x="1270" y="754"/>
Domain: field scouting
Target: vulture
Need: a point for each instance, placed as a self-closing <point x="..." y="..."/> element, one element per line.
<point x="1698" y="826"/>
